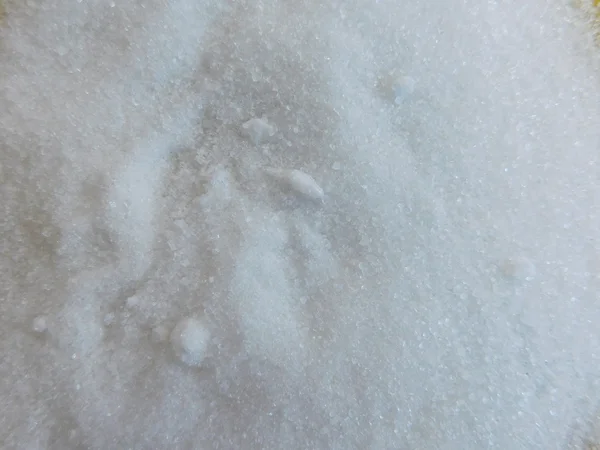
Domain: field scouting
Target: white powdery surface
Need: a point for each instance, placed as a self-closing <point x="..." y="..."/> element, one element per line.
<point x="278" y="224"/>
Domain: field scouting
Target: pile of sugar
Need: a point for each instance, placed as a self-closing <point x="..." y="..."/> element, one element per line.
<point x="328" y="225"/>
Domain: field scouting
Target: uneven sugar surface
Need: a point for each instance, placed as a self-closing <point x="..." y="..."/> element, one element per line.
<point x="298" y="224"/>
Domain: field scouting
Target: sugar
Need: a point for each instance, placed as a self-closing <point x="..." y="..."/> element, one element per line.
<point x="314" y="258"/>
<point x="132" y="302"/>
<point x="39" y="324"/>
<point x="258" y="130"/>
<point x="518" y="268"/>
<point x="160" y="333"/>
<point x="190" y="340"/>
<point x="299" y="182"/>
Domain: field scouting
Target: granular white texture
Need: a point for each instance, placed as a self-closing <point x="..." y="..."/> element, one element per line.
<point x="267" y="224"/>
<point x="190" y="339"/>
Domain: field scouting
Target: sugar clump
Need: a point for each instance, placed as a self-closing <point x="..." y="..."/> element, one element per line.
<point x="39" y="324"/>
<point x="258" y="130"/>
<point x="299" y="182"/>
<point x="190" y="339"/>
